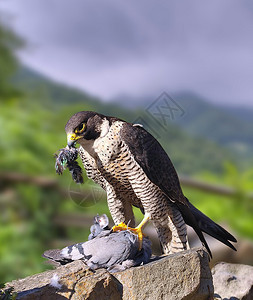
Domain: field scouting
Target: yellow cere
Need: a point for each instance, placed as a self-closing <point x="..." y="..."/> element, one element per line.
<point x="73" y="137"/>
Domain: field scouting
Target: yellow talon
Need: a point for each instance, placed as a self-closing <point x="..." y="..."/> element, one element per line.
<point x="120" y="227"/>
<point x="138" y="230"/>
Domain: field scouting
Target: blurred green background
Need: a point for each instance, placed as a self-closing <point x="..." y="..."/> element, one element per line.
<point x="41" y="210"/>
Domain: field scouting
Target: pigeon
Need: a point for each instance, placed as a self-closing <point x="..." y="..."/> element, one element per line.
<point x="114" y="251"/>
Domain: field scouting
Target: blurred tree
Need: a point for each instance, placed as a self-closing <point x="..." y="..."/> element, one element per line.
<point x="9" y="44"/>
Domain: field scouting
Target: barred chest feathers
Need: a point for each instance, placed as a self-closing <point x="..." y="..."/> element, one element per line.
<point x="107" y="145"/>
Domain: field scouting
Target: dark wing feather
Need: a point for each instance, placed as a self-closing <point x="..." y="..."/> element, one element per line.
<point x="152" y="158"/>
<point x="156" y="164"/>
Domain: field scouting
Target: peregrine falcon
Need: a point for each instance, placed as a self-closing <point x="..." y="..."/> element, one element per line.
<point x="134" y="170"/>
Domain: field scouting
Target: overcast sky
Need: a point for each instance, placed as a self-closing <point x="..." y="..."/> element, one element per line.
<point x="112" y="47"/>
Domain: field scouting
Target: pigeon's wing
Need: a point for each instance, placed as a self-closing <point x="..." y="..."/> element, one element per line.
<point x="136" y="258"/>
<point x="104" y="251"/>
<point x="119" y="247"/>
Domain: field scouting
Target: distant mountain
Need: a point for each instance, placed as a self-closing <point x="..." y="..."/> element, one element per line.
<point x="231" y="127"/>
<point x="242" y="113"/>
<point x="191" y="140"/>
<point x="33" y="83"/>
<point x="50" y="92"/>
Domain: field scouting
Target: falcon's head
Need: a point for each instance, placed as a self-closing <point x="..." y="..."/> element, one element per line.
<point x="86" y="126"/>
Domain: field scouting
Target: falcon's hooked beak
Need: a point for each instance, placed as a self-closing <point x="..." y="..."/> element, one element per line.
<point x="72" y="138"/>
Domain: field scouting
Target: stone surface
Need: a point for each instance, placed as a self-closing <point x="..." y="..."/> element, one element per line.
<point x="185" y="275"/>
<point x="233" y="281"/>
<point x="220" y="252"/>
<point x="77" y="280"/>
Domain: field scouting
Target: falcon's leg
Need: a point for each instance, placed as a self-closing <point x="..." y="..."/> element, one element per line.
<point x="164" y="235"/>
<point x="178" y="229"/>
<point x="172" y="232"/>
<point x="120" y="209"/>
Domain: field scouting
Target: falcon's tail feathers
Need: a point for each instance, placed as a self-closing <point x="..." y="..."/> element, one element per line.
<point x="210" y="227"/>
<point x="191" y="220"/>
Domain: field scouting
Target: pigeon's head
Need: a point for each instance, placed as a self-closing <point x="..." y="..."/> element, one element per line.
<point x="101" y="223"/>
<point x="86" y="126"/>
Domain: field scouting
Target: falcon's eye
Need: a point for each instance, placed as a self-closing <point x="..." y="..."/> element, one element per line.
<point x="80" y="128"/>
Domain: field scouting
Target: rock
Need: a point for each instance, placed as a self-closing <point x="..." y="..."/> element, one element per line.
<point x="76" y="279"/>
<point x="184" y="275"/>
<point x="222" y="253"/>
<point x="233" y="281"/>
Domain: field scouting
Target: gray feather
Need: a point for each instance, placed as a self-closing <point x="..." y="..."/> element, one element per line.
<point x="110" y="249"/>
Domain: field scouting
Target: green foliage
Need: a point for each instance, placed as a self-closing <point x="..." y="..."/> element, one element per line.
<point x="235" y="211"/>
<point x="9" y="43"/>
